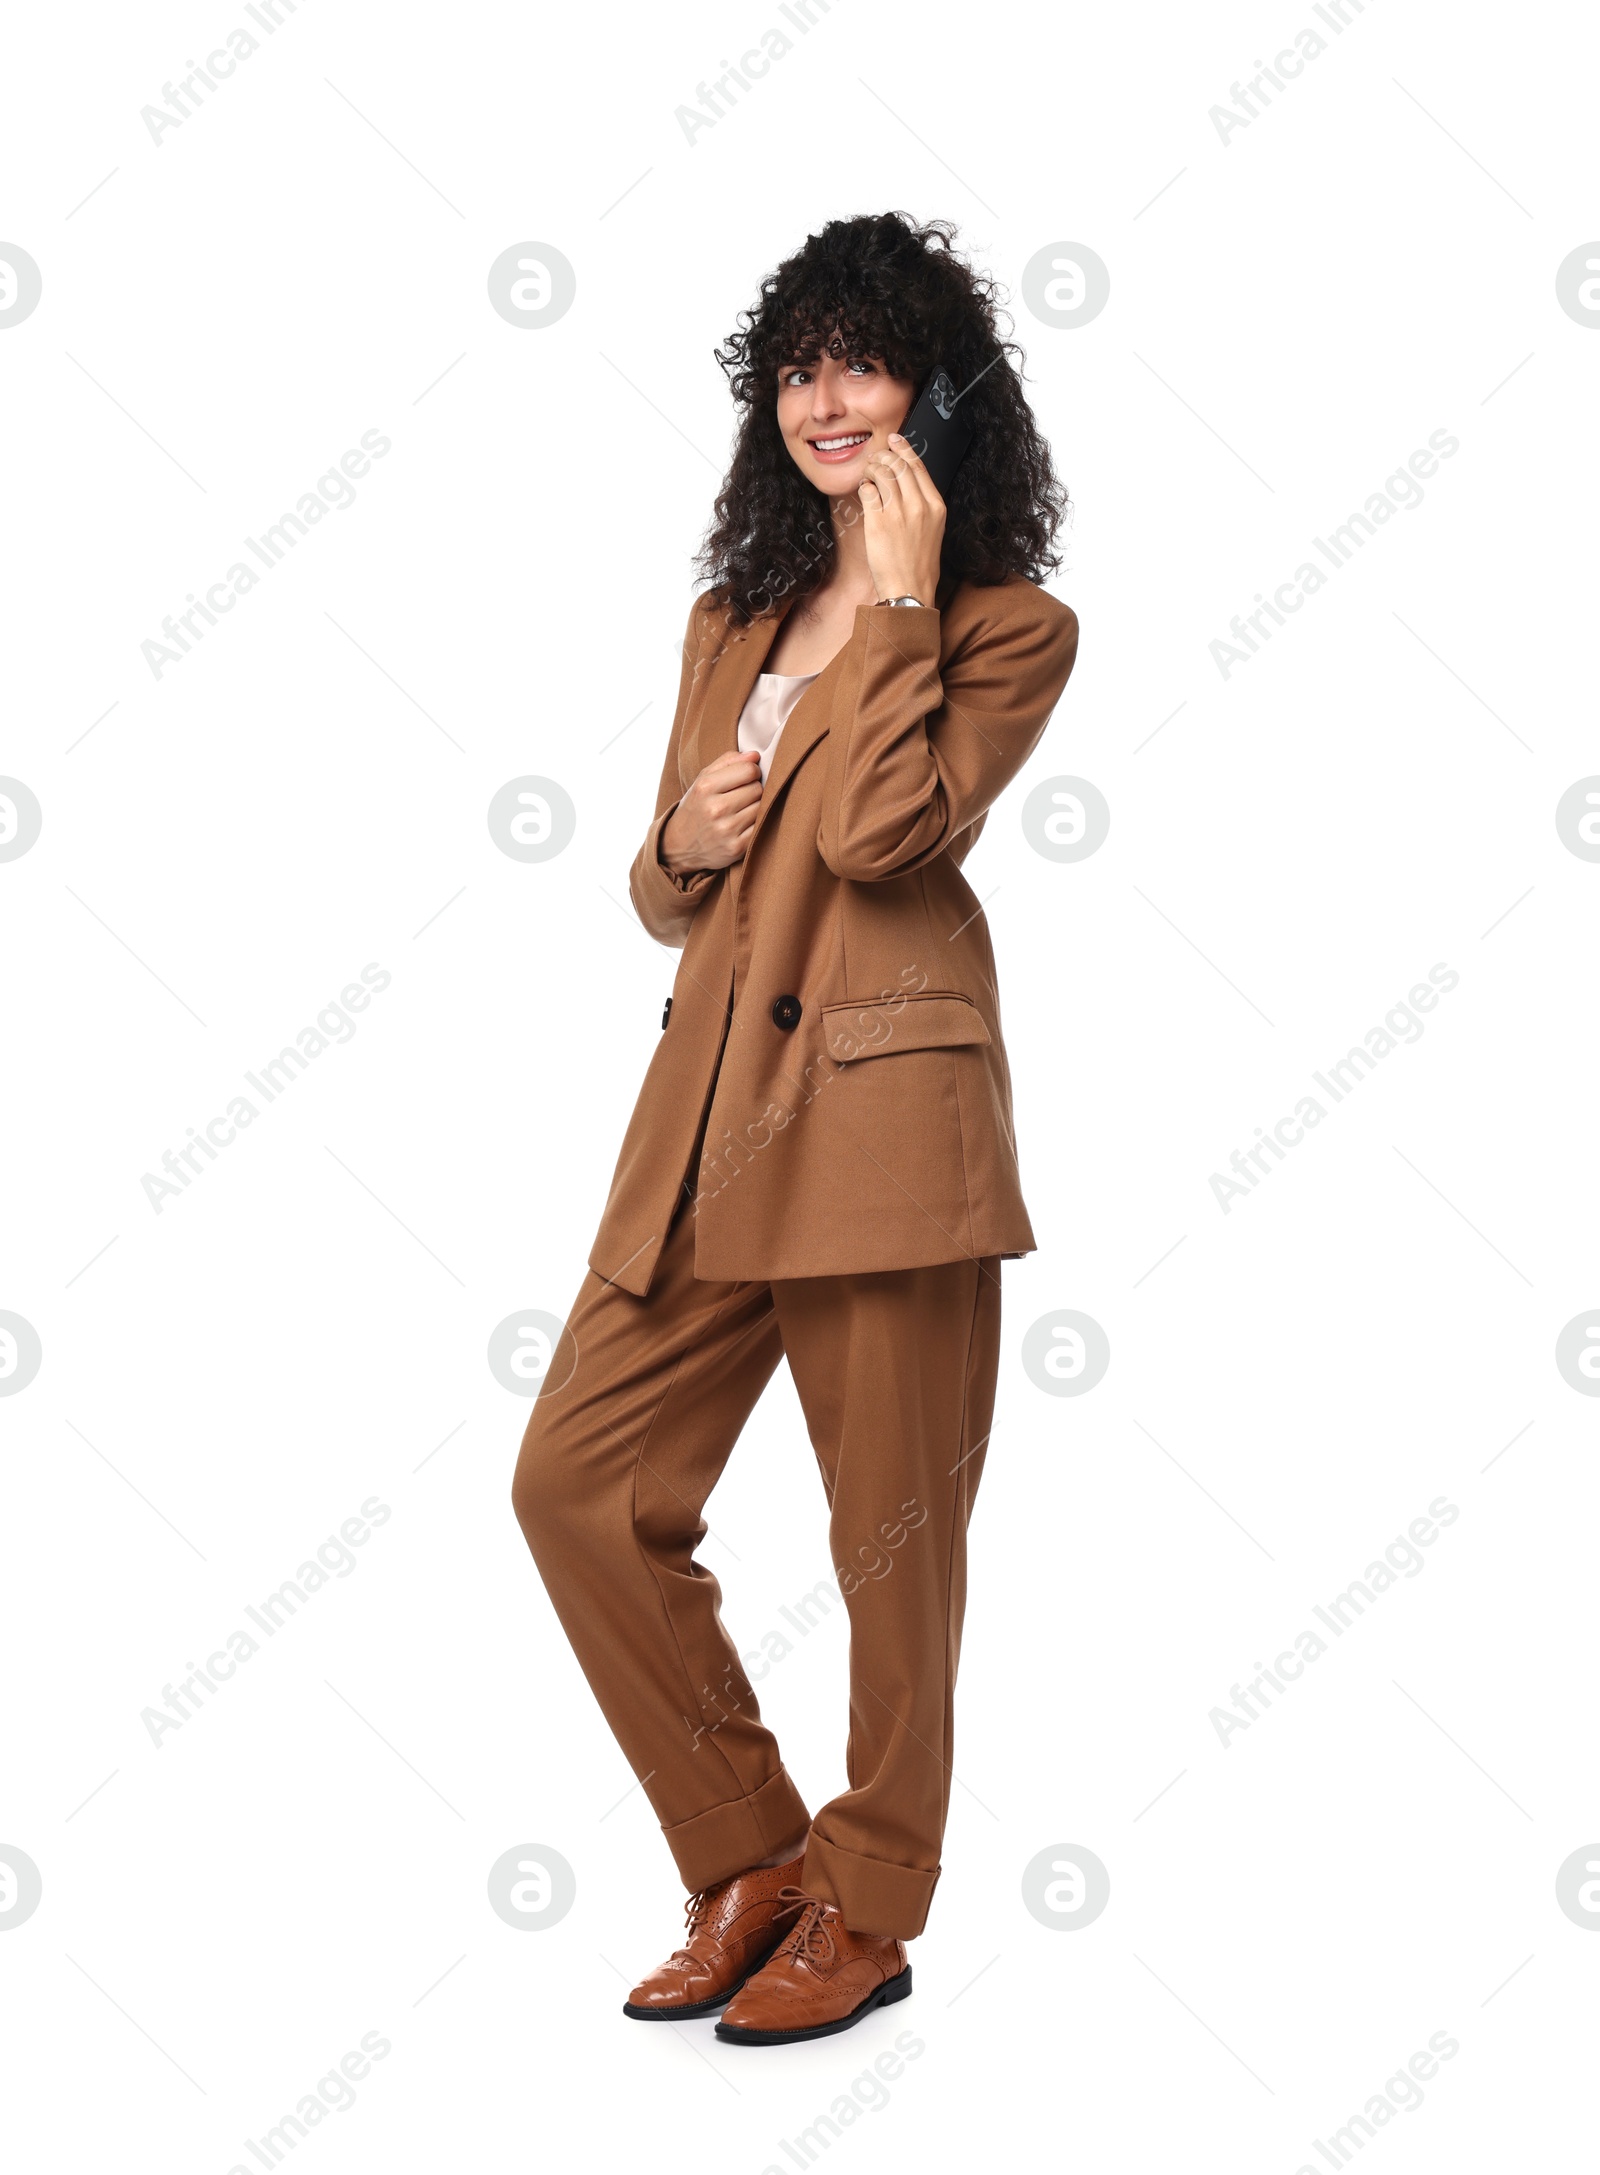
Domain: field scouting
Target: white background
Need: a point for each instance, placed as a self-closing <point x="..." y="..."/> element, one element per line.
<point x="1291" y="314"/>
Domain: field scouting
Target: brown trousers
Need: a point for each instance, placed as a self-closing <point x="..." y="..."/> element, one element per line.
<point x="895" y="1372"/>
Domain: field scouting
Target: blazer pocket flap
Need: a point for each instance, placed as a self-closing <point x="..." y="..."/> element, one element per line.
<point x="934" y="1019"/>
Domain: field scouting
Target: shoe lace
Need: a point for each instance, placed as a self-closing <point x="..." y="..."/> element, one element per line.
<point x="698" y="1907"/>
<point x="809" y="1935"/>
<point x="696" y="1910"/>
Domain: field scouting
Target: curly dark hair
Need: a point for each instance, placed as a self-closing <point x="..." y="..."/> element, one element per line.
<point x="879" y="286"/>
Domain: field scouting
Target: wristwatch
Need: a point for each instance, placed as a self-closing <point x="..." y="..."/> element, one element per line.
<point x="917" y="601"/>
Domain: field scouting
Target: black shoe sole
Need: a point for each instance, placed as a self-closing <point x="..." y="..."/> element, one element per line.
<point x="687" y="2009"/>
<point x="895" y="1989"/>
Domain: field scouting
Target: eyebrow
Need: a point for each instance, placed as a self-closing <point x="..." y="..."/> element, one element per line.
<point x="808" y="362"/>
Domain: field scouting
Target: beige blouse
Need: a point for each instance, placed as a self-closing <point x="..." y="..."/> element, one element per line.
<point x="767" y="710"/>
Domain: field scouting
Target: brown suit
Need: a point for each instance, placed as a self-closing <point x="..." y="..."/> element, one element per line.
<point x="834" y="1042"/>
<point x="819" y="1158"/>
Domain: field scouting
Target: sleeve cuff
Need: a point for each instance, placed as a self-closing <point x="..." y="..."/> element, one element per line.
<point x="687" y="886"/>
<point x="912" y="633"/>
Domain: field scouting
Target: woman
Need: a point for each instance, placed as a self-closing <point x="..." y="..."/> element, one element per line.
<point x="820" y="1166"/>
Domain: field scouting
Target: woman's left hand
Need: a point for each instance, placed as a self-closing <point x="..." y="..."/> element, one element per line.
<point x="904" y="517"/>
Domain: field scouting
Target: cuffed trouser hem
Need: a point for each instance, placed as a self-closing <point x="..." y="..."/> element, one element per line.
<point x="731" y="1838"/>
<point x="870" y="1895"/>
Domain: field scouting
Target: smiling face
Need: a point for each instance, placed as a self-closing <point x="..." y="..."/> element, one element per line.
<point x="835" y="410"/>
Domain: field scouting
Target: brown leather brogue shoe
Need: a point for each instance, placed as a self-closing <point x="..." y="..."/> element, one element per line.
<point x="733" y="1929"/>
<point x="821" y="1978"/>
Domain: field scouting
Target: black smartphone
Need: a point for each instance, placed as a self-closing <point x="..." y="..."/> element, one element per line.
<point x="938" y="429"/>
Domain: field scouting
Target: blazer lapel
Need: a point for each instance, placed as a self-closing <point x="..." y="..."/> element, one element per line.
<point x="805" y="725"/>
<point x="726" y="669"/>
<point x="729" y="664"/>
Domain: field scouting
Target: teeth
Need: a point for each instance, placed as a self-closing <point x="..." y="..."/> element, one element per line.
<point x="831" y="445"/>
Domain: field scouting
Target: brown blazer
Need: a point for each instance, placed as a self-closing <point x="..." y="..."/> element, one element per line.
<point x="836" y="1004"/>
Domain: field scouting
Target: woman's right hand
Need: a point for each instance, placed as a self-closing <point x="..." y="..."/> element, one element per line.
<point x="712" y="824"/>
